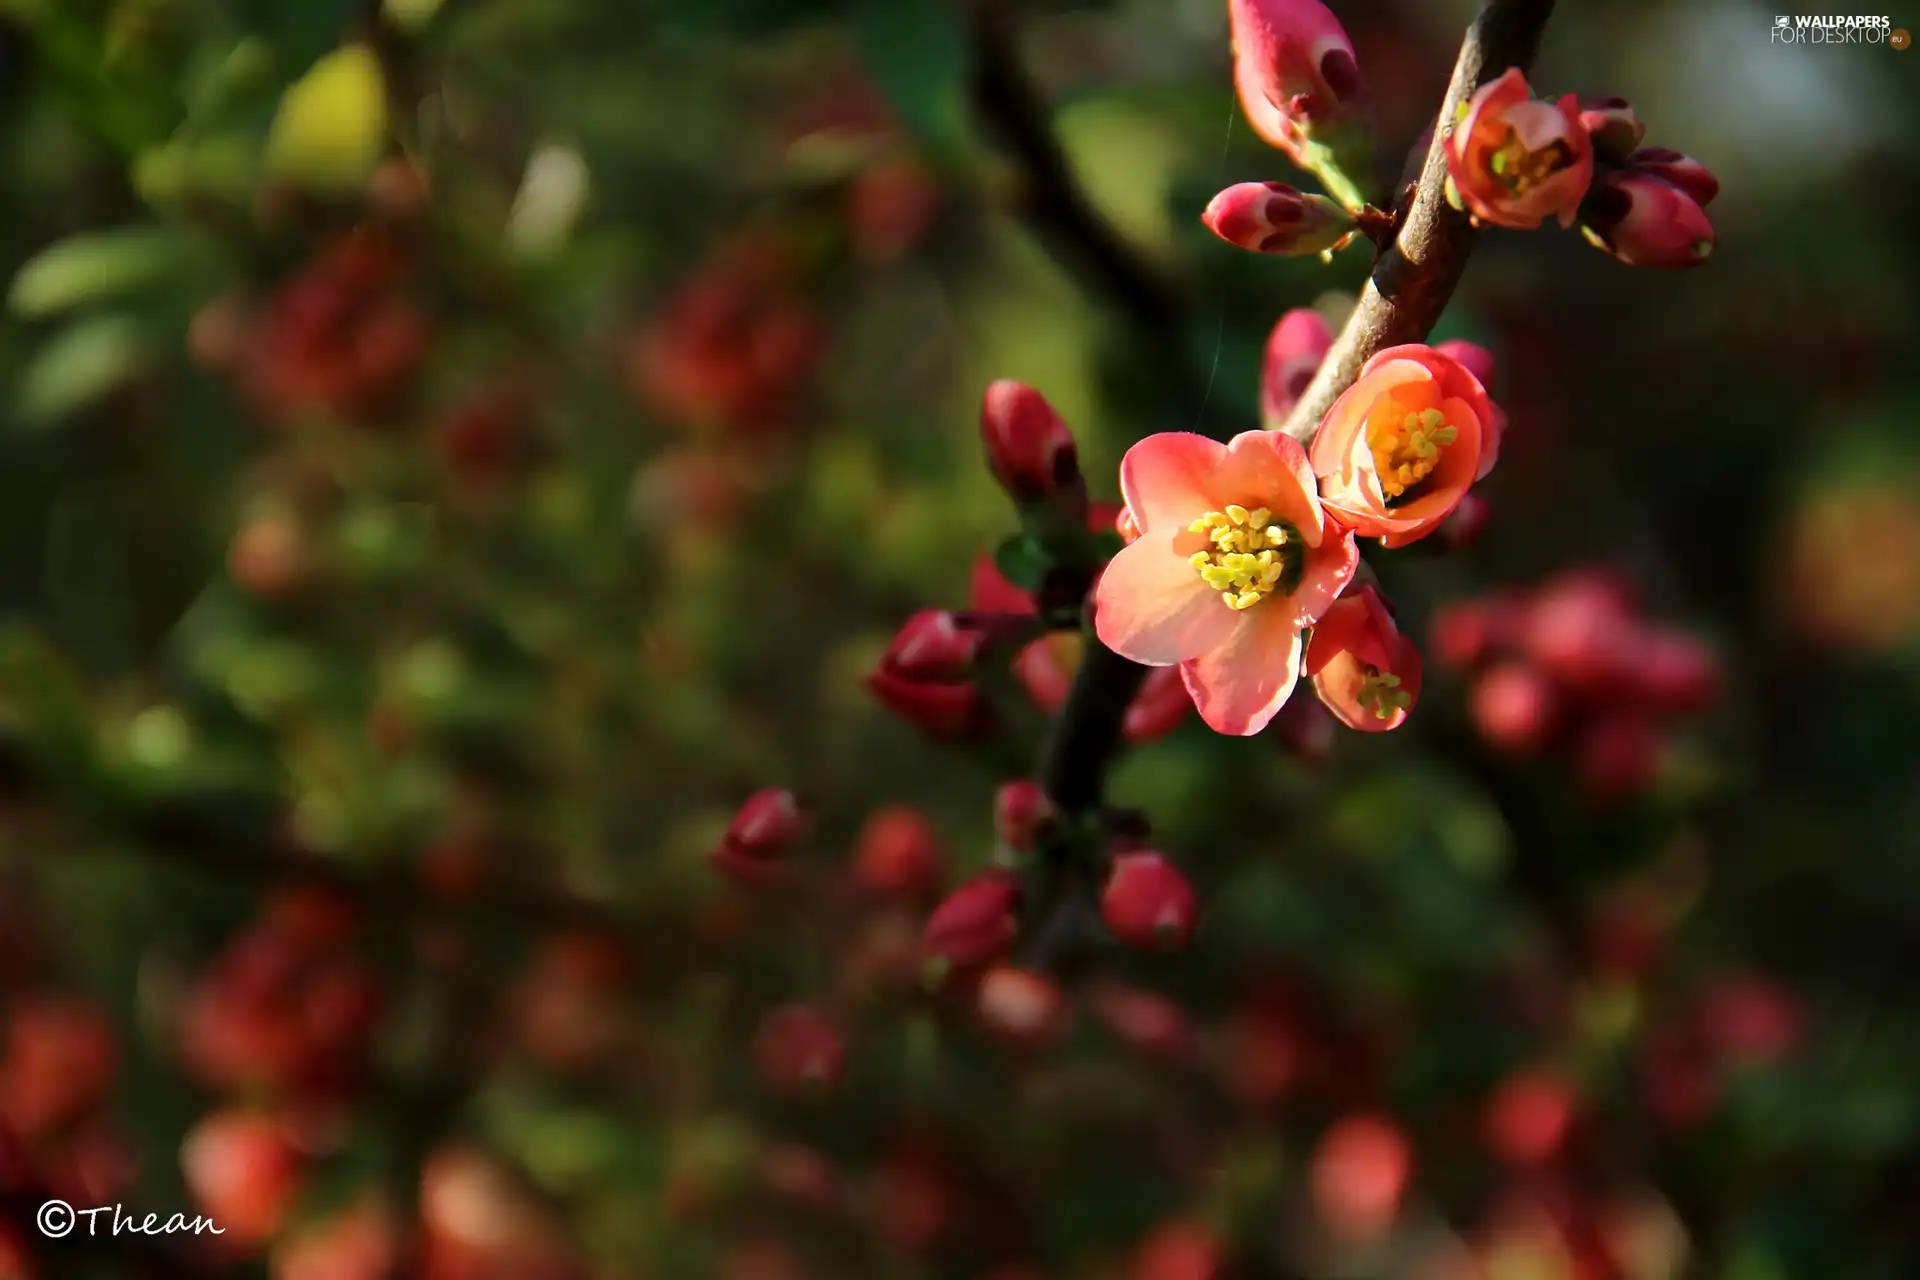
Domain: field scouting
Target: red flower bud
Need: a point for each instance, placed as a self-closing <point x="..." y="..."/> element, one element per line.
<point x="1682" y="170"/>
<point x="1360" y="1170"/>
<point x="243" y="1174"/>
<point x="1146" y="1022"/>
<point x="1295" y="72"/>
<point x="1675" y="674"/>
<point x="1019" y="809"/>
<point x="1646" y="221"/>
<point x="899" y="853"/>
<point x="1029" y="449"/>
<point x="925" y="676"/>
<point x="798" y="1049"/>
<point x="1272" y="217"/>
<point x="1614" y="126"/>
<point x="1022" y="1006"/>
<point x="1528" y="1118"/>
<point x="1751" y="1020"/>
<point x="766" y="827"/>
<point x="1465" y="632"/>
<point x="1160" y="707"/>
<point x="1581" y="628"/>
<point x="1364" y="670"/>
<point x="1514" y="706"/>
<point x="1295" y="349"/>
<point x="1148" y="903"/>
<point x="1177" y="1251"/>
<point x="975" y="923"/>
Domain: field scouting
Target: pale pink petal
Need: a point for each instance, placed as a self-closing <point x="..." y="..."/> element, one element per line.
<point x="1165" y="478"/>
<point x="1151" y="605"/>
<point x="1270" y="469"/>
<point x="1240" y="686"/>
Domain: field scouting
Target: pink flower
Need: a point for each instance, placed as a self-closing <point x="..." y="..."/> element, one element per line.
<point x="1366" y="672"/>
<point x="1234" y="557"/>
<point x="1645" y="220"/>
<point x="1272" y="217"/>
<point x="1515" y="161"/>
<point x="1295" y="70"/>
<point x="1295" y="349"/>
<point x="1399" y="449"/>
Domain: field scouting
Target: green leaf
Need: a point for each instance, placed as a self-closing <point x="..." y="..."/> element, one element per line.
<point x="78" y="366"/>
<point x="88" y="268"/>
<point x="916" y="51"/>
<point x="332" y="123"/>
<point x="1023" y="561"/>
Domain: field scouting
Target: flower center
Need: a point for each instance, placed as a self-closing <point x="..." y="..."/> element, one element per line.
<point x="1380" y="693"/>
<point x="1250" y="557"/>
<point x="1406" y="447"/>
<point x="1518" y="168"/>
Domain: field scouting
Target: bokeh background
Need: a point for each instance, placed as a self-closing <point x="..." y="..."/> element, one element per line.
<point x="451" y="454"/>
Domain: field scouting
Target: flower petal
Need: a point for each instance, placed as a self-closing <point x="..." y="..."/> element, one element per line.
<point x="1165" y="478"/>
<point x="1241" y="685"/>
<point x="1330" y="567"/>
<point x="1270" y="469"/>
<point x="1152" y="607"/>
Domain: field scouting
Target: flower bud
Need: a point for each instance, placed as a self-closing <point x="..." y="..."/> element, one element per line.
<point x="925" y="676"/>
<point x="1301" y="87"/>
<point x="1528" y="1118"/>
<point x="1295" y="349"/>
<point x="1019" y="810"/>
<point x="1160" y="707"/>
<point x="1515" y="708"/>
<point x="1682" y="170"/>
<point x="1674" y="674"/>
<point x="1613" y="125"/>
<point x="1646" y="221"/>
<point x="1145" y="1021"/>
<point x="1022" y="1006"/>
<point x="1177" y="1250"/>
<point x="1364" y="670"/>
<point x="1360" y="1170"/>
<point x="1148" y="903"/>
<point x="761" y="833"/>
<point x="898" y="854"/>
<point x="1473" y="357"/>
<point x="798" y="1049"/>
<point x="1030" y="451"/>
<point x="975" y="923"/>
<point x="1272" y="217"/>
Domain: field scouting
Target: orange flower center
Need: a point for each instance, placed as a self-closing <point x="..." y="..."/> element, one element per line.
<point x="1406" y="445"/>
<point x="1249" y="557"/>
<point x="1519" y="169"/>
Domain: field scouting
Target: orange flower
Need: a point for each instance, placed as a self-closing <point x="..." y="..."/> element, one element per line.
<point x="1400" y="448"/>
<point x="1366" y="672"/>
<point x="1515" y="161"/>
<point x="1234" y="557"/>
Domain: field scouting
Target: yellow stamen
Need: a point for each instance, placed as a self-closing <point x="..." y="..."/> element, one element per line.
<point x="1519" y="169"/>
<point x="1380" y="693"/>
<point x="1252" y="557"/>
<point x="1406" y="447"/>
